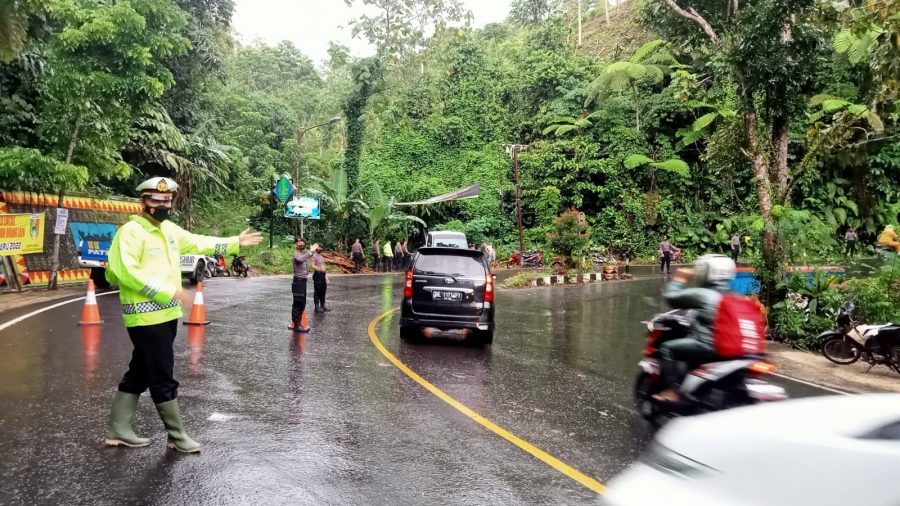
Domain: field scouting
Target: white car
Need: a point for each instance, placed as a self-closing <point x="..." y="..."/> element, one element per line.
<point x="446" y="239"/>
<point x="194" y="267"/>
<point x="832" y="450"/>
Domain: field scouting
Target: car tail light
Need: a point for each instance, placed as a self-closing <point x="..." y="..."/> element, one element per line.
<point x="489" y="288"/>
<point x="407" y="287"/>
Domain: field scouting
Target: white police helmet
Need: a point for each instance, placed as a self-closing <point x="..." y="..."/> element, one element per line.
<point x="158" y="187"/>
<point x="714" y="270"/>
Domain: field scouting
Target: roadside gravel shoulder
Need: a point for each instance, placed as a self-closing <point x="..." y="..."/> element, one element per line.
<point x="814" y="368"/>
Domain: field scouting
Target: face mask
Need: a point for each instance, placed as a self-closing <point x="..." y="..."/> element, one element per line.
<point x="159" y="214"/>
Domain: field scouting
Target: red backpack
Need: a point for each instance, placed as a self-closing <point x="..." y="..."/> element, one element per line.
<point x="739" y="327"/>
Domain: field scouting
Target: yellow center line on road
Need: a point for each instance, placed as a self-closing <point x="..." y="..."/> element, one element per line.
<point x="541" y="455"/>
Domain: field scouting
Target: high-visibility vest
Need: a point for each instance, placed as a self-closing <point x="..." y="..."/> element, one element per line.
<point x="145" y="261"/>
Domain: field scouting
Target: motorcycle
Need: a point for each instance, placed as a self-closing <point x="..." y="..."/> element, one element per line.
<point x="216" y="266"/>
<point x="531" y="259"/>
<point x="711" y="387"/>
<point x="852" y="341"/>
<point x="239" y="265"/>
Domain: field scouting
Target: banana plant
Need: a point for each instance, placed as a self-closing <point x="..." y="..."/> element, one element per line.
<point x="339" y="202"/>
<point x="382" y="214"/>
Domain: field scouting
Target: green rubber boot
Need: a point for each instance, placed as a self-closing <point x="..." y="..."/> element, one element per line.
<point x="178" y="438"/>
<point x="120" y="416"/>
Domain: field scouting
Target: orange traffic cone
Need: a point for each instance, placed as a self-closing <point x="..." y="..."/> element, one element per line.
<point x="304" y="322"/>
<point x="198" y="309"/>
<point x="90" y="314"/>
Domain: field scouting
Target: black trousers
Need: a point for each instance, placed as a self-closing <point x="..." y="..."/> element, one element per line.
<point x="735" y="253"/>
<point x="319" y="288"/>
<point x="851" y="248"/>
<point x="358" y="261"/>
<point x="665" y="263"/>
<point x="387" y="263"/>
<point x="298" y="289"/>
<point x="152" y="362"/>
<point x="376" y="262"/>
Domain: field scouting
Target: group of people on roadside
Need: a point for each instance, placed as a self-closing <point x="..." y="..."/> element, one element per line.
<point x="385" y="258"/>
<point x="668" y="252"/>
<point x="888" y="239"/>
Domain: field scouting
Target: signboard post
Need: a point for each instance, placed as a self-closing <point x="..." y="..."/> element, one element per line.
<point x="62" y="218"/>
<point x="283" y="191"/>
<point x="21" y="234"/>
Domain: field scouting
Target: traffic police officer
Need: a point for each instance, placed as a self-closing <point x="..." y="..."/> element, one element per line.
<point x="144" y="260"/>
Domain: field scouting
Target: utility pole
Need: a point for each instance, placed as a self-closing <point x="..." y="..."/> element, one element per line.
<point x="515" y="148"/>
<point x="607" y="12"/>
<point x="298" y="227"/>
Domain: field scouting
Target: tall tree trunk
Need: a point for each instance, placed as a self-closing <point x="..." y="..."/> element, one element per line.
<point x="780" y="141"/>
<point x="53" y="284"/>
<point x="772" y="268"/>
<point x="184" y="199"/>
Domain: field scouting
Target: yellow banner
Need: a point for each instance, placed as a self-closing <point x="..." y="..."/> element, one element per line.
<point x="21" y="234"/>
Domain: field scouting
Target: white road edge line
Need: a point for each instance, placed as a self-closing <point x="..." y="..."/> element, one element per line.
<point x="816" y="385"/>
<point x="48" y="308"/>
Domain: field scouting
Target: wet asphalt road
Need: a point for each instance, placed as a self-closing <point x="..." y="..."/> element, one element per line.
<point x="329" y="420"/>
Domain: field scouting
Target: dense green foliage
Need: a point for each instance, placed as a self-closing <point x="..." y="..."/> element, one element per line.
<point x="812" y="305"/>
<point x="777" y="121"/>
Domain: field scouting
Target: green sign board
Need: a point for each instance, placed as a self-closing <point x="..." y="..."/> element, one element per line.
<point x="283" y="189"/>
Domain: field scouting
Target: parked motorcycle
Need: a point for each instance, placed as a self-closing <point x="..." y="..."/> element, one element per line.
<point x="239" y="265"/>
<point x="852" y="341"/>
<point x="531" y="259"/>
<point x="711" y="387"/>
<point x="216" y="266"/>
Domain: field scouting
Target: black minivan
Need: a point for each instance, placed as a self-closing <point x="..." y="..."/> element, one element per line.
<point x="448" y="288"/>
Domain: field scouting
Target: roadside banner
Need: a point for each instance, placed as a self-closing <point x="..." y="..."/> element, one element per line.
<point x="21" y="234"/>
<point x="303" y="207"/>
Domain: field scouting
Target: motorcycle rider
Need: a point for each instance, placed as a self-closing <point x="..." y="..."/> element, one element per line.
<point x="712" y="275"/>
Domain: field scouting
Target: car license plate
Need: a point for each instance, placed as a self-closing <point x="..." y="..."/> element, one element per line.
<point x="187" y="260"/>
<point x="449" y="296"/>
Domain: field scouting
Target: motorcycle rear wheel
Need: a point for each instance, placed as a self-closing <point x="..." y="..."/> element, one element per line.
<point x="841" y="351"/>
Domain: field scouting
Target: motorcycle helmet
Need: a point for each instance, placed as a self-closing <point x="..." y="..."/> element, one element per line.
<point x="714" y="270"/>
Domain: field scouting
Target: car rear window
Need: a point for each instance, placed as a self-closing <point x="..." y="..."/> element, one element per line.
<point x="445" y="241"/>
<point x="451" y="265"/>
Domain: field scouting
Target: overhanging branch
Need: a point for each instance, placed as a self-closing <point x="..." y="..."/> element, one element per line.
<point x="693" y="15"/>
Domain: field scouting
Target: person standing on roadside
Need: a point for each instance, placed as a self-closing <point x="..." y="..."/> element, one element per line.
<point x="665" y="255"/>
<point x="851" y="237"/>
<point x="388" y="256"/>
<point x="320" y="280"/>
<point x="359" y="258"/>
<point x="406" y="255"/>
<point x="298" y="285"/>
<point x="735" y="247"/>
<point x="398" y="255"/>
<point x="376" y="255"/>
<point x="144" y="260"/>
